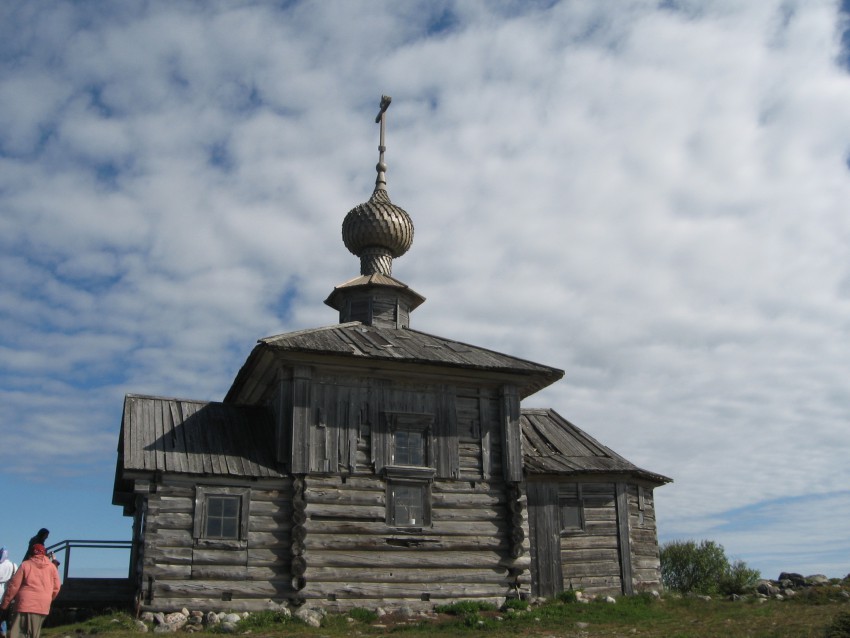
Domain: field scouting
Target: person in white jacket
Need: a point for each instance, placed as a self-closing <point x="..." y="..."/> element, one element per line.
<point x="7" y="570"/>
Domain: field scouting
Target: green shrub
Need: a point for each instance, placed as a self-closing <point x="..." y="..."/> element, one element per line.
<point x="517" y="604"/>
<point x="568" y="596"/>
<point x="465" y="607"/>
<point x="739" y="579"/>
<point x="702" y="568"/>
<point x="263" y="620"/>
<point x="362" y="614"/>
<point x="839" y="627"/>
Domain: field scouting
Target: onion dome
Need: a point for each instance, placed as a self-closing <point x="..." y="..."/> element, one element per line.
<point x="377" y="231"/>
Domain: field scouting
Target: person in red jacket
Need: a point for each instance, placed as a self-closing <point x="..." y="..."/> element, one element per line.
<point x="33" y="588"/>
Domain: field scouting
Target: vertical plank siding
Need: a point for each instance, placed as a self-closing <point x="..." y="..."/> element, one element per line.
<point x="646" y="560"/>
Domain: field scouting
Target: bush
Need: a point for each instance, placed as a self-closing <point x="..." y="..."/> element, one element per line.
<point x="465" y="607"/>
<point x="738" y="579"/>
<point x="839" y="627"/>
<point x="702" y="568"/>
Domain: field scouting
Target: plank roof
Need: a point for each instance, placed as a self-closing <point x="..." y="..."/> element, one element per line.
<point x="197" y="437"/>
<point x="553" y="445"/>
<point x="403" y="345"/>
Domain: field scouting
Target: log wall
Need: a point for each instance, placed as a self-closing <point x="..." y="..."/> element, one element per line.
<point x="179" y="570"/>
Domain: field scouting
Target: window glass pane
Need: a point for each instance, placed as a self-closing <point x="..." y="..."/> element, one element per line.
<point x="222" y="517"/>
<point x="408" y="505"/>
<point x="409" y="448"/>
<point x="570" y="515"/>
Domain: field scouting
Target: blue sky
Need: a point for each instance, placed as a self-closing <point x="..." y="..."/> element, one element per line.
<point x="651" y="196"/>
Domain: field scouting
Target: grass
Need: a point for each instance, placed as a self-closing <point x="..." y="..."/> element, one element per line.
<point x="823" y="616"/>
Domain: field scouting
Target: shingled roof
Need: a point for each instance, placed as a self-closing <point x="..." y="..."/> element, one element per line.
<point x="553" y="445"/>
<point x="193" y="437"/>
<point x="359" y="341"/>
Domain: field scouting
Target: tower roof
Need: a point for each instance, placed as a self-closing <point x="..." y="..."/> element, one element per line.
<point x="377" y="231"/>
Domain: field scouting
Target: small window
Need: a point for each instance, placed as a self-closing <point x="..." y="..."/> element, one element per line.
<point x="408" y="504"/>
<point x="222" y="517"/>
<point x="221" y="513"/>
<point x="571" y="508"/>
<point x="572" y="515"/>
<point x="409" y="447"/>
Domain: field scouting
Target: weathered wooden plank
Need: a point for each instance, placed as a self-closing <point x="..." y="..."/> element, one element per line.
<point x="511" y="449"/>
<point x="495" y="575"/>
<point x="405" y="559"/>
<point x="544" y="525"/>
<point x="238" y="588"/>
<point x="404" y="590"/>
<point x="167" y="555"/>
<point x="420" y="543"/>
<point x="279" y="538"/>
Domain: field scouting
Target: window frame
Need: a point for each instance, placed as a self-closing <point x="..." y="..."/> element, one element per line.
<point x="203" y="495"/>
<point x="569" y="501"/>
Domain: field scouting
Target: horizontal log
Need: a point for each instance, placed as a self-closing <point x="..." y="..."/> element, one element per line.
<point x="497" y="575"/>
<point x="260" y="557"/>
<point x="213" y="588"/>
<point x="220" y="557"/>
<point x="270" y="524"/>
<point x="170" y="504"/>
<point x="169" y="604"/>
<point x="278" y="538"/>
<point x="168" y="555"/>
<point x="170" y="538"/>
<point x="419" y="543"/>
<point x="351" y="511"/>
<point x="270" y="508"/>
<point x="582" y="541"/>
<point x="344" y="495"/>
<point x="169" y="520"/>
<point x="576" y="556"/>
<point x="403" y="559"/>
<point x="407" y="590"/>
<point x="584" y="570"/>
<point x="224" y="572"/>
<point x="169" y="571"/>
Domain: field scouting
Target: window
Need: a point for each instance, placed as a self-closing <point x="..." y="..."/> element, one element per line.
<point x="409" y="504"/>
<point x="570" y="509"/>
<point x="222" y="517"/>
<point x="221" y="514"/>
<point x="409" y="447"/>
<point x="410" y="469"/>
<point x="572" y="515"/>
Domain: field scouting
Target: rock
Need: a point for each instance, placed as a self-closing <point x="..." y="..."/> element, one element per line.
<point x="185" y="612"/>
<point x="705" y="598"/>
<point x="817" y="579"/>
<point x="380" y="612"/>
<point x="141" y="627"/>
<point x="610" y="599"/>
<point x="176" y="620"/>
<point x="405" y="612"/>
<point x="159" y="618"/>
<point x="211" y="619"/>
<point x="734" y="597"/>
<point x="231" y="618"/>
<point x="582" y="625"/>
<point x="766" y="589"/>
<point x="309" y="617"/>
<point x="147" y="617"/>
<point x="797" y="580"/>
<point x="227" y="627"/>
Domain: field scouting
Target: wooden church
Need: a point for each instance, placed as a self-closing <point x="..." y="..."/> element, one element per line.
<point x="369" y="464"/>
